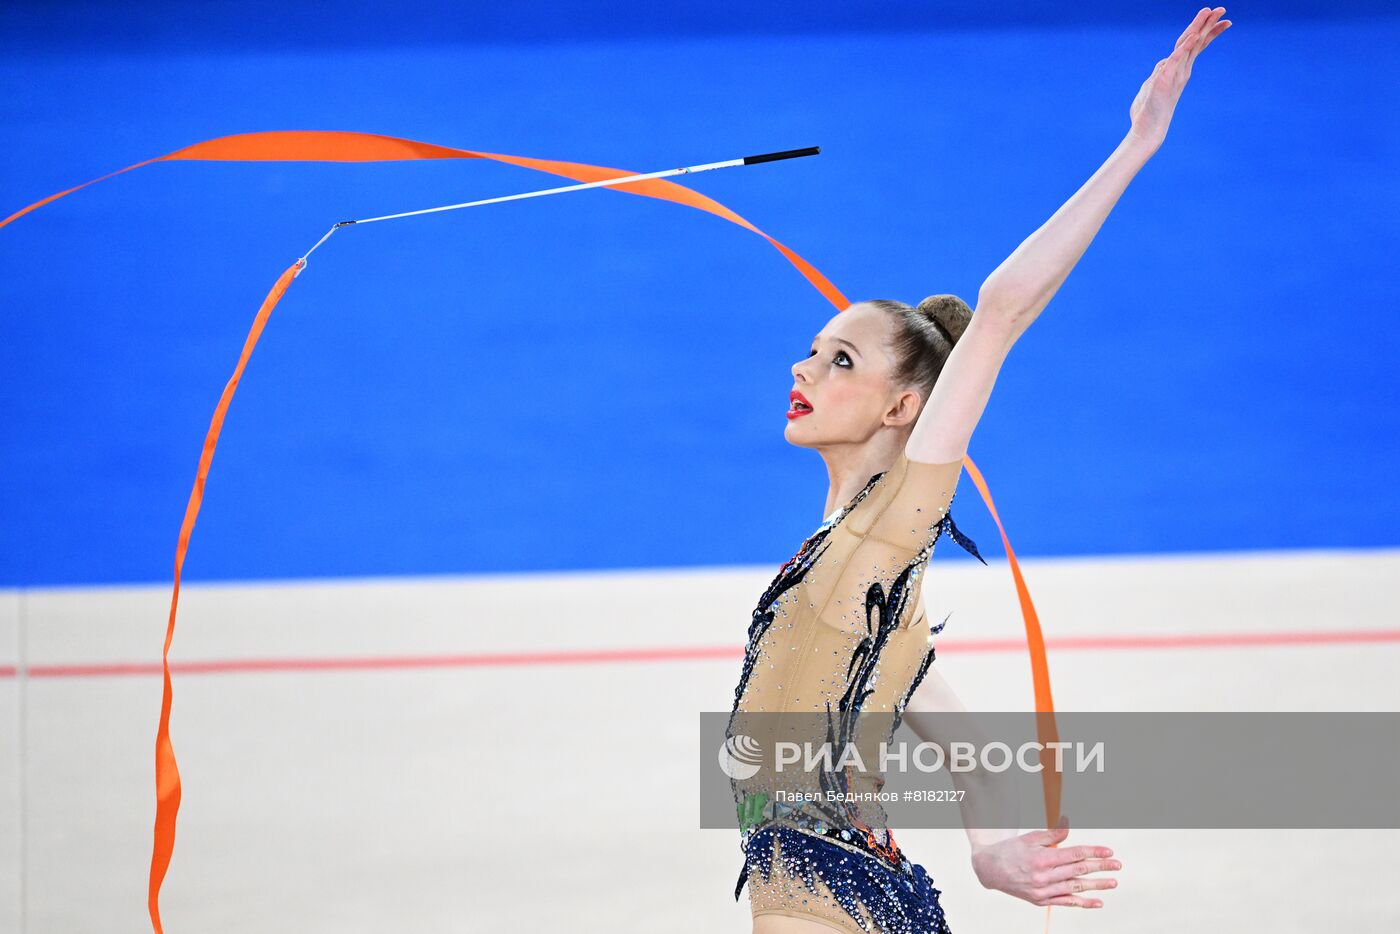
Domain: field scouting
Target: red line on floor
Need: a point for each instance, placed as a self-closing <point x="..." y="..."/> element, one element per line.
<point x="691" y="653"/>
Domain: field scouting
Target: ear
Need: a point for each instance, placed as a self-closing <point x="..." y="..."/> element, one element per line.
<point x="904" y="409"/>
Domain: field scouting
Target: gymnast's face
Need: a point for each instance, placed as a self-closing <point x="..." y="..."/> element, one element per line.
<point x="842" y="390"/>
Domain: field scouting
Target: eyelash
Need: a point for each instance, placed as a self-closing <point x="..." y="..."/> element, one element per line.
<point x="839" y="353"/>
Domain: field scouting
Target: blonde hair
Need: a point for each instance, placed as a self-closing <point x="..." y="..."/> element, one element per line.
<point x="924" y="336"/>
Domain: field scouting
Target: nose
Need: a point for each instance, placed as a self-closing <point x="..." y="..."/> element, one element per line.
<point x="798" y="372"/>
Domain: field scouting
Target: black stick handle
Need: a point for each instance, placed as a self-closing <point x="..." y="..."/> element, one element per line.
<point x="787" y="154"/>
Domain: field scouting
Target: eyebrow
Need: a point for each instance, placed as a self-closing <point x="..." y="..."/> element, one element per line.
<point x="842" y="340"/>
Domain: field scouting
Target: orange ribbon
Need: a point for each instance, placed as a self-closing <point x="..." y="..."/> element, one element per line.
<point x="338" y="146"/>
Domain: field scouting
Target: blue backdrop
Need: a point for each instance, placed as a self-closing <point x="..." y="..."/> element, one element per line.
<point x="598" y="380"/>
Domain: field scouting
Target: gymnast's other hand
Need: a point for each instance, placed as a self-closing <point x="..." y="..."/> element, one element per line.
<point x="1033" y="868"/>
<point x="1151" y="110"/>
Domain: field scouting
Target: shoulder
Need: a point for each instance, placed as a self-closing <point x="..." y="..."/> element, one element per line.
<point x="919" y="470"/>
<point x="908" y="503"/>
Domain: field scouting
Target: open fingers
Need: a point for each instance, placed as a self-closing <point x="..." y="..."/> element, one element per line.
<point x="1213" y="26"/>
<point x="1193" y="38"/>
<point x="1075" y="854"/>
<point x="1074" y="901"/>
<point x="1072" y="889"/>
<point x="1195" y="25"/>
<point x="1207" y="37"/>
<point x="1082" y="867"/>
<point x="1180" y="56"/>
<point x="1219" y="27"/>
<point x="1184" y="55"/>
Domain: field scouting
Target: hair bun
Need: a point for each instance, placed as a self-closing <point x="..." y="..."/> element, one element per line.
<point x="949" y="312"/>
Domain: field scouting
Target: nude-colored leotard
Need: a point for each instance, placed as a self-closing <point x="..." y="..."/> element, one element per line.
<point x="848" y="607"/>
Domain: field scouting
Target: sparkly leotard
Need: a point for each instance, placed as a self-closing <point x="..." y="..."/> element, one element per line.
<point x="841" y="631"/>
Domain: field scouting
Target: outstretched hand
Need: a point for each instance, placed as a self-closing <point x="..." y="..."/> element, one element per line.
<point x="1031" y="867"/>
<point x="1151" y="111"/>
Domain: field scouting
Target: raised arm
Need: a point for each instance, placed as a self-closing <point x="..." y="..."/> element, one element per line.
<point x="1020" y="288"/>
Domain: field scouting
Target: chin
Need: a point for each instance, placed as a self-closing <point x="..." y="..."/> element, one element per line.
<point x="795" y="437"/>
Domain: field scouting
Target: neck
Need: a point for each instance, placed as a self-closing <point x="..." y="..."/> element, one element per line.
<point x="849" y="467"/>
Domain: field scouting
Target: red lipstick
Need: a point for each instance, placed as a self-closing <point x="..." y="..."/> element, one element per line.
<point x="798" y="405"/>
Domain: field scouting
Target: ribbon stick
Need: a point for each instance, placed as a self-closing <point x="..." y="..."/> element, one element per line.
<point x="626" y="179"/>
<point x="342" y="146"/>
